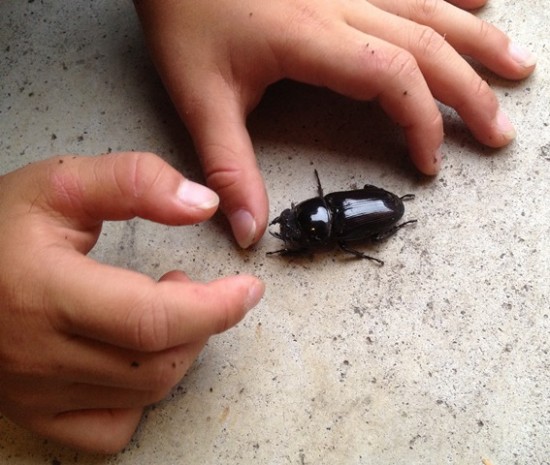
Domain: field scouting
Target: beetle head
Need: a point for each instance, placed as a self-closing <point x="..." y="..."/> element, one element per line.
<point x="305" y="225"/>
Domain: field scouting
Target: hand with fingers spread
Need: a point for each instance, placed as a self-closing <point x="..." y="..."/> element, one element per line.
<point x="84" y="346"/>
<point x="217" y="58"/>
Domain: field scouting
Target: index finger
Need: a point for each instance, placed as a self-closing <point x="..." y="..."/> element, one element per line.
<point x="130" y="310"/>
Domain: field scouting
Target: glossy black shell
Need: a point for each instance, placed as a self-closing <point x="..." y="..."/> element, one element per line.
<point x="368" y="214"/>
<point x="359" y="215"/>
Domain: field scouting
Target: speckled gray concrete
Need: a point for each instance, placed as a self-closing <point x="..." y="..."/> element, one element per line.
<point x="439" y="357"/>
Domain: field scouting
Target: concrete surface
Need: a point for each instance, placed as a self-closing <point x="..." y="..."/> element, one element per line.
<point x="439" y="357"/>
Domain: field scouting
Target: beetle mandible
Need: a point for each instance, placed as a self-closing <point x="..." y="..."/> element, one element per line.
<point x="361" y="215"/>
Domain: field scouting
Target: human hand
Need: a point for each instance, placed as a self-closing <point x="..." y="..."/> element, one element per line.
<point x="85" y="346"/>
<point x="217" y="57"/>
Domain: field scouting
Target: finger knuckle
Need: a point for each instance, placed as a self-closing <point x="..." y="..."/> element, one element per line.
<point x="424" y="10"/>
<point x="485" y="31"/>
<point x="302" y="16"/>
<point x="224" y="177"/>
<point x="481" y="91"/>
<point x="152" y="328"/>
<point x="63" y="189"/>
<point x="137" y="173"/>
<point x="429" y="42"/>
<point x="401" y="65"/>
<point x="480" y="95"/>
<point x="227" y="177"/>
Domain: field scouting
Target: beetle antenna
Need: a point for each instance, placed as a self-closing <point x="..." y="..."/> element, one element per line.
<point x="407" y="197"/>
<point x="319" y="188"/>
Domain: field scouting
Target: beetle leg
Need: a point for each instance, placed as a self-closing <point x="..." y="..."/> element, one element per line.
<point x="390" y="232"/>
<point x="287" y="252"/>
<point x="407" y="197"/>
<point x="276" y="234"/>
<point x="319" y="188"/>
<point x="275" y="252"/>
<point x="358" y="254"/>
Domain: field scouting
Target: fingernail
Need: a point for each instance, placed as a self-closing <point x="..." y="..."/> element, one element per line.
<point x="504" y="125"/>
<point x="521" y="55"/>
<point x="255" y="294"/>
<point x="196" y="195"/>
<point x="244" y="227"/>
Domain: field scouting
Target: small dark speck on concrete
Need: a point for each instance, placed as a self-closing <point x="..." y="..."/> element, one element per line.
<point x="545" y="152"/>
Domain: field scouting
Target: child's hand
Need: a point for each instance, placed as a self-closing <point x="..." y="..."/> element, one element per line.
<point x="217" y="57"/>
<point x="85" y="346"/>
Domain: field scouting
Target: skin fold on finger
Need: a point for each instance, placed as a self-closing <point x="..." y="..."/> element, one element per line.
<point x="468" y="34"/>
<point x="451" y="79"/>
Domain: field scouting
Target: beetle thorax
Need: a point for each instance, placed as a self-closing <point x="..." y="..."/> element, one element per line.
<point x="307" y="224"/>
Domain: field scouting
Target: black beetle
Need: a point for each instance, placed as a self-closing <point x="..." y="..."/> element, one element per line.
<point x="368" y="214"/>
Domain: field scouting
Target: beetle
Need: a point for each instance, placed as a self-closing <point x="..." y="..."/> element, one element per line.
<point x="361" y="215"/>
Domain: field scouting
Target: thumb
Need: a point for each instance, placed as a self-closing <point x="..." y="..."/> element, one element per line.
<point x="118" y="186"/>
<point x="217" y="124"/>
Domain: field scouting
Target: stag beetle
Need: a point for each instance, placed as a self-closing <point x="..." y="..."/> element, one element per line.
<point x="368" y="214"/>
